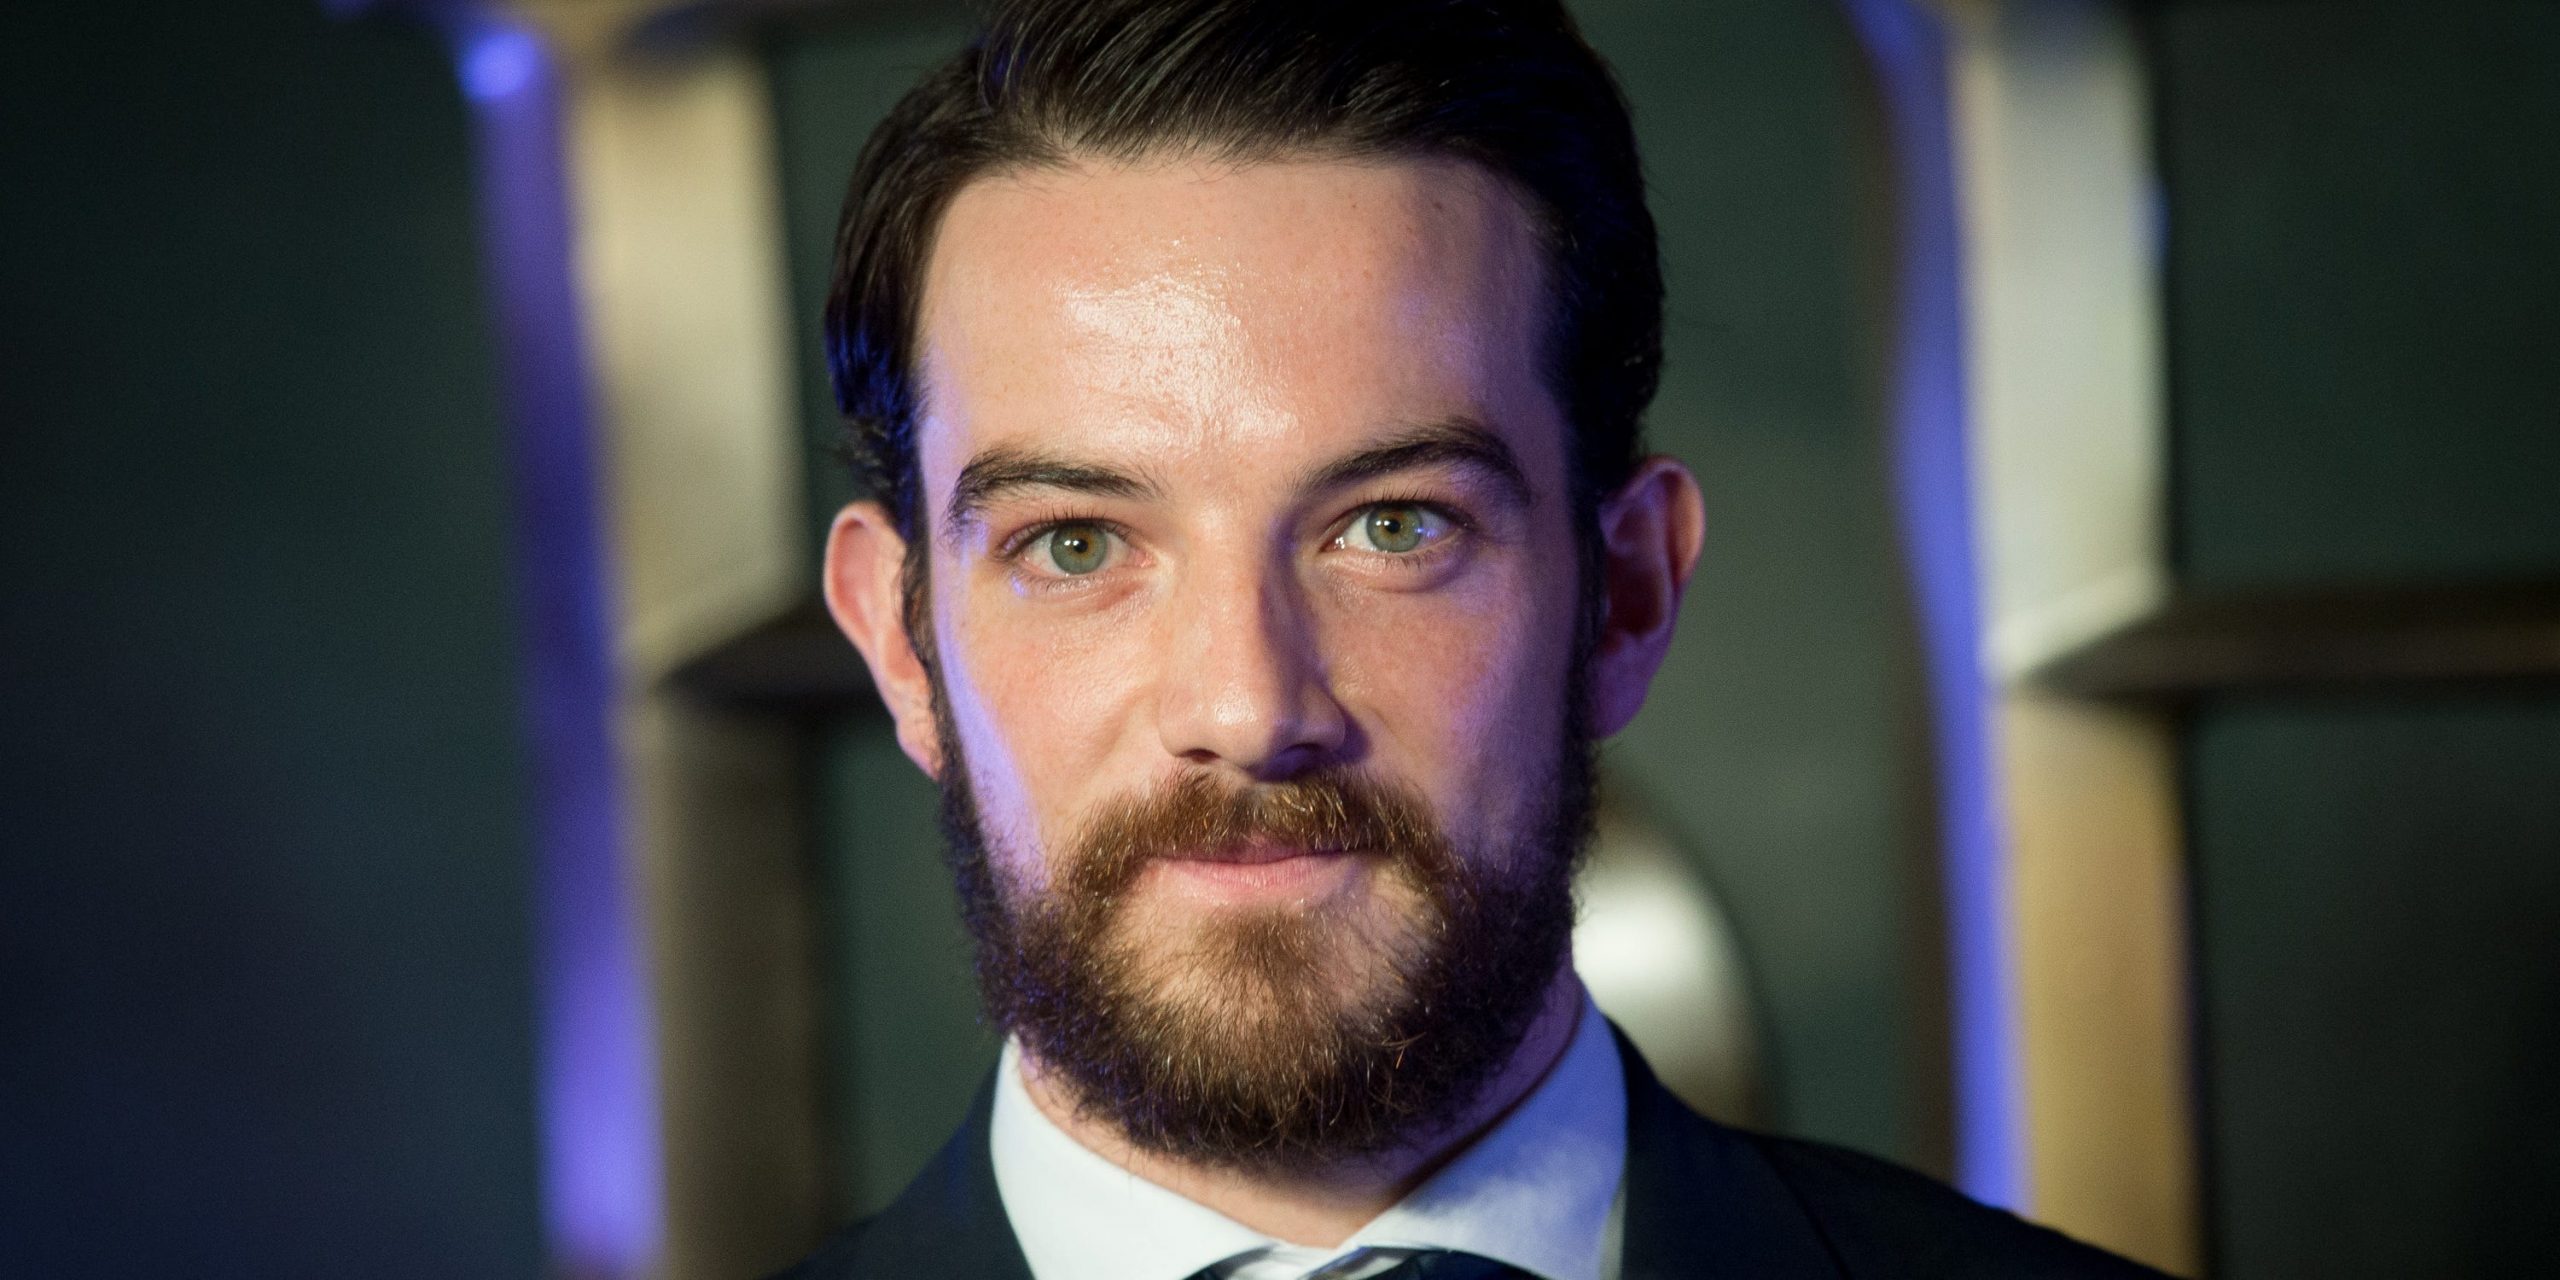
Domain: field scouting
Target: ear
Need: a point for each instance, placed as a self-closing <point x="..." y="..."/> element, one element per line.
<point x="1650" y="532"/>
<point x="865" y="582"/>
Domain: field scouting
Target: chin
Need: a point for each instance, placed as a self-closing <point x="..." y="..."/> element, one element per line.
<point x="1289" y="968"/>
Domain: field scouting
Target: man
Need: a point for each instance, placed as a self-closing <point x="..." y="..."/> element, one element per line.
<point x="1250" y="389"/>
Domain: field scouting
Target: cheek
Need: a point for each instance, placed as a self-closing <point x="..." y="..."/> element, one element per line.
<point x="1039" y="712"/>
<point x="1462" y="691"/>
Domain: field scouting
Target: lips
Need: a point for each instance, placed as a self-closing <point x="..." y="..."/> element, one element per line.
<point x="1255" y="853"/>
<point x="1255" y="872"/>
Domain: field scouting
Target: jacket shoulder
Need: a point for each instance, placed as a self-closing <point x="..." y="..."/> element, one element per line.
<point x="1880" y="1219"/>
<point x="948" y="1223"/>
<point x="836" y="1257"/>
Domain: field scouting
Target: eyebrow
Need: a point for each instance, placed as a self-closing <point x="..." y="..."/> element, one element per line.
<point x="1456" y="441"/>
<point x="1004" y="469"/>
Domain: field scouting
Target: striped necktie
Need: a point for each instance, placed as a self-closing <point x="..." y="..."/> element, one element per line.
<point x="1429" y="1264"/>
<point x="1445" y="1264"/>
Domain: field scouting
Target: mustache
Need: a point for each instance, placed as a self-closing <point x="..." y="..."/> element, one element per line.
<point x="1333" y="811"/>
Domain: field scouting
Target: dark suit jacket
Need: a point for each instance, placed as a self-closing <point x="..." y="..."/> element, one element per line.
<point x="1702" y="1200"/>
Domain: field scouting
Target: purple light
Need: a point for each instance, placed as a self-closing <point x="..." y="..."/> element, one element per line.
<point x="498" y="61"/>
<point x="602" y="1166"/>
<point x="1935" y="500"/>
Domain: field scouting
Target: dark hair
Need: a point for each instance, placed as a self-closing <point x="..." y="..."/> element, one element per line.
<point x="1506" y="84"/>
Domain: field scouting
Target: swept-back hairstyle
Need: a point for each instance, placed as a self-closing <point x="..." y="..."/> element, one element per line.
<point x="1508" y="85"/>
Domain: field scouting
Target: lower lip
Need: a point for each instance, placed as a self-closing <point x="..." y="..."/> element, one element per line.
<point x="1296" y="876"/>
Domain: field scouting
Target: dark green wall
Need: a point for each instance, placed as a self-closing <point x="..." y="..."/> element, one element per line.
<point x="2379" y="919"/>
<point x="1774" y="739"/>
<point x="264" y="988"/>
<point x="1778" y="742"/>
<point x="2364" y="288"/>
<point x="2363" y="299"/>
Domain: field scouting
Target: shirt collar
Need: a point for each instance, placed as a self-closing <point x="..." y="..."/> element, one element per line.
<point x="1534" y="1192"/>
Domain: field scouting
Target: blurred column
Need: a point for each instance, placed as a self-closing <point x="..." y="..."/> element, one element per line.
<point x="679" y="267"/>
<point x="2069" y="457"/>
<point x="2031" y="458"/>
<point x="633" y="231"/>
<point x="1935" y="508"/>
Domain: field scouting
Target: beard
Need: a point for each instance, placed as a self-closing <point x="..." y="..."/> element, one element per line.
<point x="1290" y="1039"/>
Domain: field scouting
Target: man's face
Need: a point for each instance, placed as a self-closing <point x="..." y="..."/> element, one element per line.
<point x="1245" y="497"/>
<point x="1192" y="355"/>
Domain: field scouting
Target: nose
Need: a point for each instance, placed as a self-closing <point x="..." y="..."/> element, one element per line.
<point x="1243" y="682"/>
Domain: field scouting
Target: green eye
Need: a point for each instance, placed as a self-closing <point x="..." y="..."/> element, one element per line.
<point x="1397" y="528"/>
<point x="1077" y="549"/>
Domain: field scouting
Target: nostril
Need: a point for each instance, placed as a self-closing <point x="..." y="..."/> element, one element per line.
<point x="1298" y="760"/>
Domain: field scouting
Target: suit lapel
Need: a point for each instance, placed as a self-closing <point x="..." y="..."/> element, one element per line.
<point x="1701" y="1199"/>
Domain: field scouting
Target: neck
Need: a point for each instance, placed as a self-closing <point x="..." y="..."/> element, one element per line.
<point x="1325" y="1207"/>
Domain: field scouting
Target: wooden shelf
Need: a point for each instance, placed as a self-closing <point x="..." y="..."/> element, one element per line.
<point x="2345" y="638"/>
<point x="795" y="665"/>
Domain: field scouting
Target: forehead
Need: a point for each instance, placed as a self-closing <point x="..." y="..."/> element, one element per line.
<point x="1174" y="308"/>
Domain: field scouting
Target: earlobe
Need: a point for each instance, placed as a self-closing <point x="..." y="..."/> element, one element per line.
<point x="1651" y="531"/>
<point x="864" y="578"/>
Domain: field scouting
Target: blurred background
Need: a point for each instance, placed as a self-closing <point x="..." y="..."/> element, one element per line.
<point x="2111" y="758"/>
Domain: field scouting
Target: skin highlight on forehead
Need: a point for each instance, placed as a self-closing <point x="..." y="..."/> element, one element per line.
<point x="1177" y="306"/>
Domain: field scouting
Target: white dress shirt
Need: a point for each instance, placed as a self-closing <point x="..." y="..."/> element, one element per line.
<point x="1539" y="1191"/>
